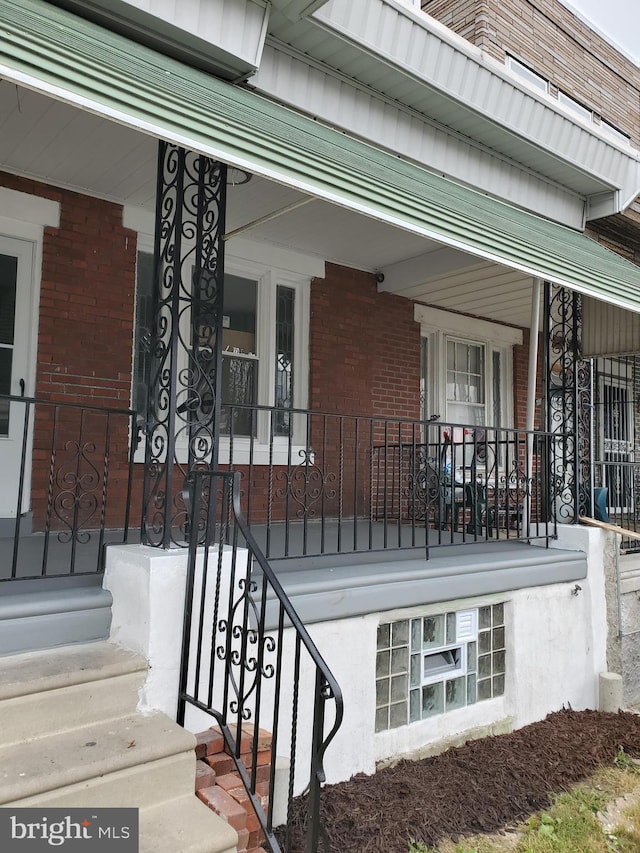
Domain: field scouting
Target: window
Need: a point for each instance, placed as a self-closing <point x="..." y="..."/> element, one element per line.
<point x="527" y="74"/>
<point x="143" y="331"/>
<point x="613" y="131"/>
<point x="466" y="368"/>
<point x="575" y="106"/>
<point x="544" y="85"/>
<point x="431" y="664"/>
<point x="264" y="339"/>
<point x="240" y="362"/>
<point x="466" y="382"/>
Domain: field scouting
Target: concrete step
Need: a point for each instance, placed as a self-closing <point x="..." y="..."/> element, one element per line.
<point x="50" y="612"/>
<point x="146" y="762"/>
<point x="185" y="825"/>
<point x="70" y="736"/>
<point x="136" y="760"/>
<point x="69" y="687"/>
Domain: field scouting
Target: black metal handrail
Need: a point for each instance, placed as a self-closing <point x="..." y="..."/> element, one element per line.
<point x="326" y="483"/>
<point x="75" y="465"/>
<point x="247" y="657"/>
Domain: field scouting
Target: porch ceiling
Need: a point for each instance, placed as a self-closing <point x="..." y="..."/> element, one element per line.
<point x="59" y="55"/>
<point x="57" y="143"/>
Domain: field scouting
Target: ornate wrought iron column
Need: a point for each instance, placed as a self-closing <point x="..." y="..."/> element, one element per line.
<point x="568" y="391"/>
<point x="184" y="383"/>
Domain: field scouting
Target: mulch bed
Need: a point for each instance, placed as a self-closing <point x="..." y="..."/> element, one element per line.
<point x="479" y="787"/>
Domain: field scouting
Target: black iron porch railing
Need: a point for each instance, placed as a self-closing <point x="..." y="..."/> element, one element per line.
<point x="247" y="659"/>
<point x="617" y="497"/>
<point x="70" y="474"/>
<point x="321" y="483"/>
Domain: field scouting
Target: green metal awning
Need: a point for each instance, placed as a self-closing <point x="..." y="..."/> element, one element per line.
<point x="55" y="52"/>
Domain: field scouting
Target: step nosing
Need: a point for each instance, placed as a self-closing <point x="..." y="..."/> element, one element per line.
<point x="44" y="670"/>
<point x="48" y="686"/>
<point x="125" y="742"/>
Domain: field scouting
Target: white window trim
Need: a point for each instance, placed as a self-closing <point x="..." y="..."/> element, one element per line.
<point x="437" y="326"/>
<point x="270" y="266"/>
<point x="268" y="281"/>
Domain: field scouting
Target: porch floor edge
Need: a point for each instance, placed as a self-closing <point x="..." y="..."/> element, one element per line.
<point x="361" y="588"/>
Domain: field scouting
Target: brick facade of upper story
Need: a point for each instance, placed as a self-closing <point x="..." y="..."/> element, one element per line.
<point x="551" y="40"/>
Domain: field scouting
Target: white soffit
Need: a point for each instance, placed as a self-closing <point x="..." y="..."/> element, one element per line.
<point x="294" y="79"/>
<point x="409" y="56"/>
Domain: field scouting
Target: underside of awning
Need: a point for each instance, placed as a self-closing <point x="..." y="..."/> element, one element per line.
<point x="609" y="330"/>
<point x="55" y="52"/>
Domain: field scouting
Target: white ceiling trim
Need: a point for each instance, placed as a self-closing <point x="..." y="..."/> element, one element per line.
<point x="436" y="320"/>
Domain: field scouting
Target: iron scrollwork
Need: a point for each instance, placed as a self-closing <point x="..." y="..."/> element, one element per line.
<point x="568" y="405"/>
<point x="75" y="492"/>
<point x="183" y="400"/>
<point x="244" y="648"/>
<point x="306" y="484"/>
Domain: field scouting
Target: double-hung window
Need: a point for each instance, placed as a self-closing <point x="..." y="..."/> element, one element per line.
<point x="265" y="335"/>
<point x="466" y="381"/>
<point x="264" y="353"/>
<point x="466" y="368"/>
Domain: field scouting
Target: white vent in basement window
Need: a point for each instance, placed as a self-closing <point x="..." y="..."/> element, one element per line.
<point x="466" y="625"/>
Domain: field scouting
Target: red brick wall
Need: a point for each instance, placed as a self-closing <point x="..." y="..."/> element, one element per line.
<point x="85" y="342"/>
<point x="520" y="383"/>
<point x="364" y="347"/>
<point x="86" y="300"/>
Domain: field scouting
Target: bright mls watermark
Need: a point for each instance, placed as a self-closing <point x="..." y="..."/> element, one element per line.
<point x="69" y="830"/>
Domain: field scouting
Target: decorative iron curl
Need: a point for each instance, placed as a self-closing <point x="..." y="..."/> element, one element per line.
<point x="243" y="648"/>
<point x="181" y="416"/>
<point x="78" y="484"/>
<point x="568" y="405"/>
<point x="306" y="484"/>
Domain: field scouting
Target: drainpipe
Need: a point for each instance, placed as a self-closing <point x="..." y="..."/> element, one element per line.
<point x="531" y="389"/>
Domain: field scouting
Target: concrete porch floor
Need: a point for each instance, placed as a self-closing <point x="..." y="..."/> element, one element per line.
<point x="363" y="540"/>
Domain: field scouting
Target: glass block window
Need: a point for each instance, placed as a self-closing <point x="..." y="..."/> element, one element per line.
<point x="432" y="664"/>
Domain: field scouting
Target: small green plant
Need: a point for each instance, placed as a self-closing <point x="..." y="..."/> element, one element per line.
<point x="420" y="847"/>
<point x="625" y="762"/>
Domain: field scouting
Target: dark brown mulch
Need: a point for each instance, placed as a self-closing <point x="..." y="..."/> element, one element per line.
<point x="479" y="787"/>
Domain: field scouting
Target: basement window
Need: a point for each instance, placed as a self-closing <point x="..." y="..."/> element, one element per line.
<point x="437" y="663"/>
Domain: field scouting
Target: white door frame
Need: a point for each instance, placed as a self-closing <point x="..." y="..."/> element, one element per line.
<point x="22" y="234"/>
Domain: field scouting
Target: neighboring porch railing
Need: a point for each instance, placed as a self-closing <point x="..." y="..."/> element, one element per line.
<point x="71" y="475"/>
<point x="621" y="483"/>
<point x="247" y="658"/>
<point x="322" y="483"/>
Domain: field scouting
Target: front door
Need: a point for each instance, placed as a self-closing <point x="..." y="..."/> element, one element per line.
<point x="16" y="278"/>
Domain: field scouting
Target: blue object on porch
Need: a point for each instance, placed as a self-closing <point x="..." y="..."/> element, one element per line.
<point x="600" y="512"/>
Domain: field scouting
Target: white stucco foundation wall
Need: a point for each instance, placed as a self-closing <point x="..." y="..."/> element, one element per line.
<point x="148" y="590"/>
<point x="555" y="649"/>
